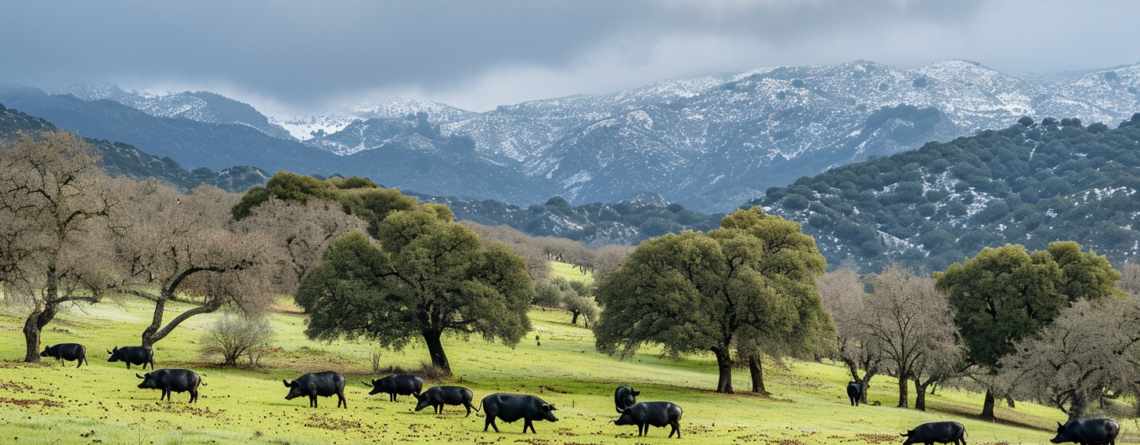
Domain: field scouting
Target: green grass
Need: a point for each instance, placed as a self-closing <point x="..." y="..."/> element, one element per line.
<point x="53" y="404"/>
<point x="570" y="272"/>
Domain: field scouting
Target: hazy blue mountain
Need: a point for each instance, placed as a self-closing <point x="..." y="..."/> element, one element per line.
<point x="201" y="106"/>
<point x="120" y="159"/>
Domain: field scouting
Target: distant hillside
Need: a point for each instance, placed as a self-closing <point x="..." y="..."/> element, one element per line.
<point x="201" y="106"/>
<point x="709" y="143"/>
<point x="627" y="222"/>
<point x="1030" y="184"/>
<point x="120" y="159"/>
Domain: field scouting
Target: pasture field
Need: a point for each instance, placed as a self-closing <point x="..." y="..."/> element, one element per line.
<point x="53" y="404"/>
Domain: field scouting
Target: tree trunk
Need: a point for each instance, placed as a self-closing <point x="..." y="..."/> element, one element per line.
<point x="33" y="327"/>
<point x="757" y="370"/>
<point x="575" y="319"/>
<point x="32" y="338"/>
<point x="865" y="380"/>
<point x="435" y="349"/>
<point x="724" y="363"/>
<point x="1077" y="408"/>
<point x="155" y="323"/>
<point x="988" y="407"/>
<point x="919" y="395"/>
<point x="903" y="388"/>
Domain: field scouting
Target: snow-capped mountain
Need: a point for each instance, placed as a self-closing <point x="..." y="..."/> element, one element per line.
<point x="709" y="143"/>
<point x="201" y="106"/>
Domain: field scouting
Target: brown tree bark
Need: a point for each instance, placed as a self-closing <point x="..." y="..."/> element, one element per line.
<point x="904" y="386"/>
<point x="724" y="364"/>
<point x="988" y="407"/>
<point x="435" y="350"/>
<point x="919" y="395"/>
<point x="756" y="368"/>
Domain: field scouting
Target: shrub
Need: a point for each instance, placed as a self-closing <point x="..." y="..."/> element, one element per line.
<point x="233" y="337"/>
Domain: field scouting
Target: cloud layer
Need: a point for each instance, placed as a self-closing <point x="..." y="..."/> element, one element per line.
<point x="293" y="57"/>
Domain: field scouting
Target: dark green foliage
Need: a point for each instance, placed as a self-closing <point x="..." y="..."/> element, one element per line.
<point x="286" y="186"/>
<point x="1029" y="184"/>
<point x="746" y="288"/>
<point x="1006" y="294"/>
<point x="427" y="276"/>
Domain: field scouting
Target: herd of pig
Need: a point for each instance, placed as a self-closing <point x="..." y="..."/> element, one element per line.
<point x="512" y="407"/>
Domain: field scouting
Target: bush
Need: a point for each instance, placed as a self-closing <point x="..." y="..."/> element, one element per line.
<point x="233" y="337"/>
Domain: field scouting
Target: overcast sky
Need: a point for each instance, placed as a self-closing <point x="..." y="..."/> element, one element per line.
<point x="302" y="57"/>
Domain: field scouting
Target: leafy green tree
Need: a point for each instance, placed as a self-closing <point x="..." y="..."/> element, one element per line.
<point x="747" y="288"/>
<point x="426" y="276"/>
<point x="1007" y="294"/>
<point x="288" y="187"/>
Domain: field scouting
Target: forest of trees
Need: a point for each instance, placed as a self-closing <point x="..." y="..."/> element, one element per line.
<point x="1031" y="184"/>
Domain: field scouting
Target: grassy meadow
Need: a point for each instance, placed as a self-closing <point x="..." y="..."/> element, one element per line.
<point x="53" y="404"/>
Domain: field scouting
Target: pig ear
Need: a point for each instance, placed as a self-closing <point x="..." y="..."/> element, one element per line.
<point x="286" y="382"/>
<point x="139" y="376"/>
<point x="637" y="393"/>
<point x="547" y="407"/>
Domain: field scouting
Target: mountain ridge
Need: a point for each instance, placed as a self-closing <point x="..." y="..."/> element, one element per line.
<point x="708" y="142"/>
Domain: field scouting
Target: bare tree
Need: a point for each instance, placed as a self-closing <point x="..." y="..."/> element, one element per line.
<point x="1091" y="352"/>
<point x="1130" y="278"/>
<point x="233" y="336"/>
<point x="55" y="205"/>
<point x="525" y="246"/>
<point x="609" y="259"/>
<point x="908" y="322"/>
<point x="844" y="296"/>
<point x="186" y="248"/>
<point x="301" y="232"/>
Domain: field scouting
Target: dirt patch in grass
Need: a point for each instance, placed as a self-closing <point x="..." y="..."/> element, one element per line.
<point x="28" y="403"/>
<point x="331" y="423"/>
<point x="876" y="438"/>
<point x="15" y="387"/>
<point x="171" y="408"/>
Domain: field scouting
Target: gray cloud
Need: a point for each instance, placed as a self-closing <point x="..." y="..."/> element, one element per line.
<point x="480" y="54"/>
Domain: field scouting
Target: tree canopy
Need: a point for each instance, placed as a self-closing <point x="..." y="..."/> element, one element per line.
<point x="746" y="288"/>
<point x="423" y="276"/>
<point x="1005" y="294"/>
<point x="55" y="210"/>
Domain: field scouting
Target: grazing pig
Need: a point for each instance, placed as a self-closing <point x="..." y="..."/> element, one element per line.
<point x="937" y="432"/>
<point x="855" y="392"/>
<point x="624" y="398"/>
<point x="1088" y="432"/>
<point x="657" y="414"/>
<point x="397" y="385"/>
<point x="512" y="407"/>
<point x="67" y="351"/>
<point x="172" y="380"/>
<point x="133" y="355"/>
<point x="437" y="396"/>
<point x="315" y="384"/>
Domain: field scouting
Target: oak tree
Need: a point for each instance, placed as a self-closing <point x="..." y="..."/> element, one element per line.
<point x="55" y="210"/>
<point x="424" y="277"/>
<point x="1006" y="294"/>
<point x="745" y="289"/>
<point x="187" y="248"/>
